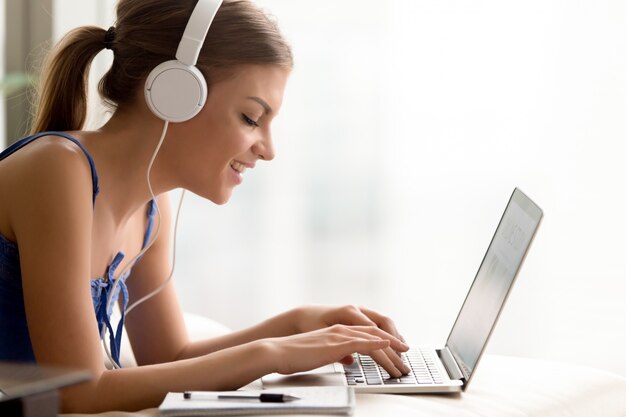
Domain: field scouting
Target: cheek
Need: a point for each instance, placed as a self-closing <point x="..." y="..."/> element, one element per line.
<point x="217" y="141"/>
<point x="232" y="144"/>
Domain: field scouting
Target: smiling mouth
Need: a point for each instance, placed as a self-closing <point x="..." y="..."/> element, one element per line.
<point x="240" y="168"/>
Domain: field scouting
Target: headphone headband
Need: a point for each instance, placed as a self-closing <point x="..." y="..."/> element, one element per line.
<point x="176" y="90"/>
<point x="196" y="31"/>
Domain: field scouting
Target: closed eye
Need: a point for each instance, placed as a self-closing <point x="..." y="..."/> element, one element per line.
<point x="249" y="121"/>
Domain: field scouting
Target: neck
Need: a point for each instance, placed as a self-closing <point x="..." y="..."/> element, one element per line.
<point x="122" y="150"/>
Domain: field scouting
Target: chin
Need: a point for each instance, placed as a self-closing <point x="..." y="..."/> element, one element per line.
<point x="221" y="199"/>
<point x="219" y="196"/>
<point x="220" y="202"/>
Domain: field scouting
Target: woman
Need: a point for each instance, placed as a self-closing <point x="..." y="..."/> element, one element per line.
<point x="76" y="209"/>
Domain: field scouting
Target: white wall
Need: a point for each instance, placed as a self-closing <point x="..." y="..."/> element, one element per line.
<point x="403" y="132"/>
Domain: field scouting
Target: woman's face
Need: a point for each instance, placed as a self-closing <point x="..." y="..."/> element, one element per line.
<point x="232" y="132"/>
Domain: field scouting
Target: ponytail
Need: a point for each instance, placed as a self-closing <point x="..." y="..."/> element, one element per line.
<point x="62" y="91"/>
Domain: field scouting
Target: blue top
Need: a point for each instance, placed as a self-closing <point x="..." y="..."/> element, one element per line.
<point x="15" y="342"/>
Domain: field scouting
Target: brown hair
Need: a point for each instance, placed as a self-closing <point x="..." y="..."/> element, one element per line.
<point x="148" y="33"/>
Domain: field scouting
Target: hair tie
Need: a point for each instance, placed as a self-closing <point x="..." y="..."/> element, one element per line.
<point x="109" y="38"/>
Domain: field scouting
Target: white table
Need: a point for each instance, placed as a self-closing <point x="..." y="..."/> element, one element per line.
<point x="502" y="387"/>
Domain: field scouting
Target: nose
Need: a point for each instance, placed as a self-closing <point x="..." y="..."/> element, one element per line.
<point x="264" y="149"/>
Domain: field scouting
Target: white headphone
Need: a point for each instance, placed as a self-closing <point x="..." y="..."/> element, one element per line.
<point x="176" y="90"/>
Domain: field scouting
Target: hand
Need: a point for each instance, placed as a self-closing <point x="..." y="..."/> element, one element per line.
<point x="310" y="350"/>
<point x="317" y="317"/>
<point x="309" y="318"/>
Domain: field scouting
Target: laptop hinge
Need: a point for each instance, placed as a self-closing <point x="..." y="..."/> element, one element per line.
<point x="448" y="361"/>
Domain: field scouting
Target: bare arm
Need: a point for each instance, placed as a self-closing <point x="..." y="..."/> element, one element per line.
<point x="145" y="386"/>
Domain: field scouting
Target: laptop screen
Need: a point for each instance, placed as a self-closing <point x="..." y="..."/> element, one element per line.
<point x="493" y="281"/>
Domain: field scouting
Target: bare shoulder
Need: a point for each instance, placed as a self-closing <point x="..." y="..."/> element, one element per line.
<point x="56" y="154"/>
<point x="47" y="157"/>
<point x="50" y="177"/>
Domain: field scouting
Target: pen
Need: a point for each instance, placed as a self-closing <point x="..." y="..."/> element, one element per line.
<point x="264" y="398"/>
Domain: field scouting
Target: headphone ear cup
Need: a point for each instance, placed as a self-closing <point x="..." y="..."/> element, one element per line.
<point x="175" y="92"/>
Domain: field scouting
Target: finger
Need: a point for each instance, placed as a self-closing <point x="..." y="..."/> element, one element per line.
<point x="366" y="346"/>
<point x="385" y="361"/>
<point x="397" y="361"/>
<point x="385" y="357"/>
<point x="387" y="325"/>
<point x="382" y="321"/>
<point x="353" y="315"/>
<point x="343" y="343"/>
<point x="396" y="343"/>
<point x="347" y="360"/>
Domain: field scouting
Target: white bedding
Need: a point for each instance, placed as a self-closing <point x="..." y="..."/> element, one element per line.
<point x="502" y="387"/>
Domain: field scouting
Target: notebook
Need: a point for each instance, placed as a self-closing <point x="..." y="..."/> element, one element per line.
<point x="311" y="400"/>
<point x="450" y="368"/>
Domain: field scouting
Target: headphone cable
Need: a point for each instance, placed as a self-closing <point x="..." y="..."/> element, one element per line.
<point x="144" y="249"/>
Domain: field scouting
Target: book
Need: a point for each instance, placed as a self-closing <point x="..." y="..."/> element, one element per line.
<point x="312" y="400"/>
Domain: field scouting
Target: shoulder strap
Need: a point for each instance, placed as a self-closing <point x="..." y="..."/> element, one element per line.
<point x="23" y="142"/>
<point x="151" y="212"/>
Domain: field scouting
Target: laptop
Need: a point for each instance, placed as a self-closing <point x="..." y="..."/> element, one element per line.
<point x="19" y="380"/>
<point x="448" y="369"/>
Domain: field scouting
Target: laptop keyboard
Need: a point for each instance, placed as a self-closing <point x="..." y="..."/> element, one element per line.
<point x="423" y="363"/>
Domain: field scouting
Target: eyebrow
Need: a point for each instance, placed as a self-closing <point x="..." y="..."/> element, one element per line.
<point x="266" y="107"/>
